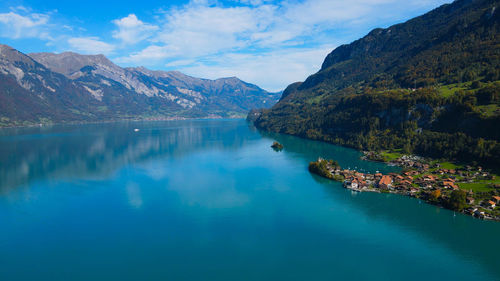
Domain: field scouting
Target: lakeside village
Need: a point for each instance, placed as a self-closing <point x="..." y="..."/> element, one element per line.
<point x="469" y="190"/>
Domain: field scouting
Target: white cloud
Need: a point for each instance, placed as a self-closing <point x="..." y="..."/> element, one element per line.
<point x="21" y="8"/>
<point x="30" y="25"/>
<point x="131" y="30"/>
<point x="270" y="43"/>
<point x="202" y="29"/>
<point x="271" y="71"/>
<point x="253" y="2"/>
<point x="90" y="45"/>
<point x="178" y="63"/>
<point x="146" y="56"/>
<point x="196" y="29"/>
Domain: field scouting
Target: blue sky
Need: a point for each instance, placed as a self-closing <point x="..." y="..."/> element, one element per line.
<point x="269" y="43"/>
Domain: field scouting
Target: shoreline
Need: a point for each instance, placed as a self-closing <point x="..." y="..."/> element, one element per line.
<point x="117" y="120"/>
<point x="428" y="182"/>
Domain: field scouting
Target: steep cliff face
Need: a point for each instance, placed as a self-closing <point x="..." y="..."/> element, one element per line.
<point x="46" y="87"/>
<point x="414" y="85"/>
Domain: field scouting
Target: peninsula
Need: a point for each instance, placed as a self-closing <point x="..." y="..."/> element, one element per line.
<point x="469" y="190"/>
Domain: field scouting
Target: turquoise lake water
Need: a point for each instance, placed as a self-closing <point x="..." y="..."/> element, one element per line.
<point x="210" y="200"/>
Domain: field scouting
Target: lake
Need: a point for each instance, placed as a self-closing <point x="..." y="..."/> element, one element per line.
<point x="210" y="200"/>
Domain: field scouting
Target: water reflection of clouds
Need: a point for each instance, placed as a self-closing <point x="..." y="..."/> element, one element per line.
<point x="215" y="197"/>
<point x="154" y="172"/>
<point x="98" y="147"/>
<point x="97" y="151"/>
<point x="191" y="186"/>
<point x="207" y="190"/>
<point x="134" y="195"/>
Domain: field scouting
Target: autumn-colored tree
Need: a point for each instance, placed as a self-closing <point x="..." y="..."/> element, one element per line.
<point x="436" y="194"/>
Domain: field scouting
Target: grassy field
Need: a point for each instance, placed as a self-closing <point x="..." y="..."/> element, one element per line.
<point x="449" y="90"/>
<point x="391" y="155"/>
<point x="488" y="110"/>
<point x="449" y="166"/>
<point x="476" y="186"/>
<point x="316" y="99"/>
<point x="481" y="185"/>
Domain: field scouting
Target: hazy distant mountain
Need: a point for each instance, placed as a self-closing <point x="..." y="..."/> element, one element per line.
<point x="47" y="87"/>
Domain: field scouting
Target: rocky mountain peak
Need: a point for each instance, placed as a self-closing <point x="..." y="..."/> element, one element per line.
<point x="69" y="86"/>
<point x="11" y="55"/>
<point x="69" y="63"/>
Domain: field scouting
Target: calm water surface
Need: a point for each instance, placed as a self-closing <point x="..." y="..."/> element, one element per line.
<point x="210" y="200"/>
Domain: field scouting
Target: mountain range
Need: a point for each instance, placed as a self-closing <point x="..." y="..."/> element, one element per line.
<point x="69" y="87"/>
<point x="430" y="86"/>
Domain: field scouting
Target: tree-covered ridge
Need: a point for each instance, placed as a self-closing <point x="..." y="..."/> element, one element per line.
<point x="429" y="86"/>
<point x="454" y="43"/>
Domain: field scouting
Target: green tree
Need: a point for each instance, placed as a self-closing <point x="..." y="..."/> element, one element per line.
<point x="457" y="200"/>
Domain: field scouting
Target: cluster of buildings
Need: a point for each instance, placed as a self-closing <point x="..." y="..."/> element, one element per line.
<point x="419" y="177"/>
<point x="488" y="204"/>
<point x="411" y="181"/>
<point x="411" y="161"/>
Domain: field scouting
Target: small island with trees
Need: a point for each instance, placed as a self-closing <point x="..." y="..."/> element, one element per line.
<point x="466" y="189"/>
<point x="277" y="146"/>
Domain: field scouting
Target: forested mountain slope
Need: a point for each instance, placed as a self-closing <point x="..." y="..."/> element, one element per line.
<point x="428" y="86"/>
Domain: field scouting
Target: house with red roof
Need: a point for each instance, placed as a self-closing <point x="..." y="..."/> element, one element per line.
<point x="385" y="182"/>
<point x="430" y="178"/>
<point x="491" y="204"/>
<point x="450" y="184"/>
